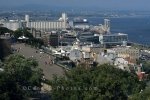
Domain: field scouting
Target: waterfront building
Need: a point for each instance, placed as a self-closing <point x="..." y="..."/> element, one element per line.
<point x="102" y="29"/>
<point x="107" y="25"/>
<point x="27" y="20"/>
<point x="87" y="37"/>
<point x="46" y="25"/>
<point x="113" y="39"/>
<point x="80" y="23"/>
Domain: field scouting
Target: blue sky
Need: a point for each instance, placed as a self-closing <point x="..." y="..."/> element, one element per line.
<point x="101" y="4"/>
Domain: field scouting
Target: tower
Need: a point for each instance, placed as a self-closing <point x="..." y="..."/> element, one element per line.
<point x="107" y="25"/>
<point x="27" y="20"/>
<point x="64" y="19"/>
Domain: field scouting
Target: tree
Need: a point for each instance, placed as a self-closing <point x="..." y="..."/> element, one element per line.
<point x="104" y="82"/>
<point x="143" y="95"/>
<point x="4" y="30"/>
<point x="32" y="40"/>
<point x="19" y="74"/>
<point x="145" y="65"/>
<point x="21" y="32"/>
<point x="5" y="48"/>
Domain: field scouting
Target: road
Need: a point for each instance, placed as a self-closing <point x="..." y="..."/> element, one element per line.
<point x="48" y="69"/>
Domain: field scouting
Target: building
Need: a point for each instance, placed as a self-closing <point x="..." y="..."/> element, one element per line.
<point x="80" y="23"/>
<point x="36" y="33"/>
<point x="113" y="39"/>
<point x="46" y="25"/>
<point x="75" y="55"/>
<point x="12" y="24"/>
<point x="121" y="63"/>
<point x="107" y="25"/>
<point x="67" y="38"/>
<point x="102" y="29"/>
<point x="128" y="53"/>
<point x="53" y="39"/>
<point x="88" y="37"/>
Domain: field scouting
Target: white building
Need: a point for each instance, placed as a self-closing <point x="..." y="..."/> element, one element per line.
<point x="12" y="24"/>
<point x="121" y="63"/>
<point x="48" y="25"/>
<point x="38" y="25"/>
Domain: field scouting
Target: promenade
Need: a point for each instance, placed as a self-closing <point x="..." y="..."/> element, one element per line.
<point x="44" y="60"/>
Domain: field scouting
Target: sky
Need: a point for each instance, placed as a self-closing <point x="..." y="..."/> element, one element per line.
<point x="97" y="4"/>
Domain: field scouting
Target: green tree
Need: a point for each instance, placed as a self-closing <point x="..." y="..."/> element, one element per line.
<point x="104" y="82"/>
<point x="143" y="95"/>
<point x="5" y="30"/>
<point x="21" y="32"/>
<point x="18" y="73"/>
<point x="31" y="41"/>
<point x="146" y="66"/>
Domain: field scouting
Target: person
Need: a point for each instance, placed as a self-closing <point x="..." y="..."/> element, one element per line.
<point x="53" y="61"/>
<point x="50" y="62"/>
<point x="43" y="77"/>
<point x="45" y="62"/>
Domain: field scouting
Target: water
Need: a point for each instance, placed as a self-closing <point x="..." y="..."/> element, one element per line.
<point x="137" y="28"/>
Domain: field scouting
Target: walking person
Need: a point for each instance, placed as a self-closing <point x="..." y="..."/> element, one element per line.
<point x="50" y="62"/>
<point x="53" y="61"/>
<point x="45" y="62"/>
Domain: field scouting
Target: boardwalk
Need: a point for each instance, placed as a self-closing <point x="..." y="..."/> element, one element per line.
<point x="44" y="60"/>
